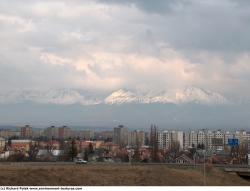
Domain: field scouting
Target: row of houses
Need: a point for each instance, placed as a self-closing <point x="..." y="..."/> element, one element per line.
<point x="54" y="148"/>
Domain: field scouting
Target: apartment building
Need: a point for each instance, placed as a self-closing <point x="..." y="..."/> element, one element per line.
<point x="136" y="138"/>
<point x="120" y="136"/>
<point x="26" y="131"/>
<point x="64" y="132"/>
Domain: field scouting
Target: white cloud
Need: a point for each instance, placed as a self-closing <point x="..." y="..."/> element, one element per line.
<point x="50" y="58"/>
<point x="104" y="47"/>
<point x="21" y="24"/>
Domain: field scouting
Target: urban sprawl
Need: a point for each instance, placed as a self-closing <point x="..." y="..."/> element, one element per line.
<point x="124" y="145"/>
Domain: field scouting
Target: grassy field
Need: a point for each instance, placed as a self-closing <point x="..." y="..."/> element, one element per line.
<point x="100" y="175"/>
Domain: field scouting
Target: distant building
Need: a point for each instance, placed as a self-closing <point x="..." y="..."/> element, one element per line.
<point x="50" y="145"/>
<point x="218" y="143"/>
<point x="86" y="134"/>
<point x="2" y="143"/>
<point x="210" y="135"/>
<point x="7" y="133"/>
<point x="177" y="137"/>
<point x="184" y="159"/>
<point x="26" y="131"/>
<point x="136" y="138"/>
<point x="169" y="139"/>
<point x="104" y="135"/>
<point x="186" y="140"/>
<point x="248" y="141"/>
<point x="201" y="138"/>
<point x="164" y="140"/>
<point x="20" y="145"/>
<point x="193" y="139"/>
<point x="51" y="132"/>
<point x="120" y="136"/>
<point x="227" y="135"/>
<point x="64" y="132"/>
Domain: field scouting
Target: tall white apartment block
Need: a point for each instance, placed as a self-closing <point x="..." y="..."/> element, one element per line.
<point x="186" y="140"/>
<point x="193" y="138"/>
<point x="201" y="138"/>
<point x="218" y="135"/>
<point x="164" y="140"/>
<point x="180" y="139"/>
<point x="210" y="135"/>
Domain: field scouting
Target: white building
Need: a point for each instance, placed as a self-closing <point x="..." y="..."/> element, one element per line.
<point x="164" y="140"/>
<point x="2" y="143"/>
<point x="201" y="138"/>
<point x="228" y="135"/>
<point x="180" y="139"/>
<point x="136" y="138"/>
<point x="186" y="143"/>
<point x="193" y="138"/>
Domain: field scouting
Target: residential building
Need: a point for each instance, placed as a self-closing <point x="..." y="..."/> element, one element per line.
<point x="87" y="134"/>
<point x="168" y="139"/>
<point x="121" y="136"/>
<point x="184" y="159"/>
<point x="2" y="143"/>
<point x="7" y="133"/>
<point x="20" y="145"/>
<point x="51" y="132"/>
<point x="248" y="141"/>
<point x="227" y="135"/>
<point x="193" y="138"/>
<point x="64" y="132"/>
<point x="136" y="138"/>
<point x="201" y="139"/>
<point x="219" y="137"/>
<point x="164" y="139"/>
<point x="210" y="135"/>
<point x="186" y="140"/>
<point x="180" y="139"/>
<point x="104" y="135"/>
<point x="26" y="131"/>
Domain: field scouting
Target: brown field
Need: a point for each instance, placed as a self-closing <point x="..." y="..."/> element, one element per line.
<point x="100" y="175"/>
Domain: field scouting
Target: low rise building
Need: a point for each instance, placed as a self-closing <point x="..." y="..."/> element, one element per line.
<point x="20" y="145"/>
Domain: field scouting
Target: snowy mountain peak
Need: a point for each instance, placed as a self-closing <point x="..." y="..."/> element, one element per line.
<point x="188" y="95"/>
<point x="121" y="96"/>
<point x="200" y="96"/>
<point x="69" y="97"/>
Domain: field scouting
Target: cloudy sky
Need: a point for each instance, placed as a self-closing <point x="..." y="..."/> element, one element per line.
<point x="105" y="45"/>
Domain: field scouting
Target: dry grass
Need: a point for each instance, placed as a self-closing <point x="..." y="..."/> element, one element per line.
<point x="100" y="175"/>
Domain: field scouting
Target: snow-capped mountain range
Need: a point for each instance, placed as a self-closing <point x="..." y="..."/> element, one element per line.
<point x="69" y="97"/>
<point x="194" y="95"/>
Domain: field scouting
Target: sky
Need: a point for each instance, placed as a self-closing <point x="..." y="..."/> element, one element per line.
<point x="106" y="45"/>
<point x="101" y="46"/>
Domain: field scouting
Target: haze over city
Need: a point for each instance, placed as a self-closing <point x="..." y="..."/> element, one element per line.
<point x="179" y="64"/>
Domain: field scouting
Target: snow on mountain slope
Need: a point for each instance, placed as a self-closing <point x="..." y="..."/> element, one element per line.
<point x="191" y="94"/>
<point x="61" y="97"/>
<point x="68" y="97"/>
<point x="199" y="96"/>
<point x="121" y="96"/>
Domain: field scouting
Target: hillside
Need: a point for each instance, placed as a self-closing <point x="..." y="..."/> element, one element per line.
<point x="100" y="175"/>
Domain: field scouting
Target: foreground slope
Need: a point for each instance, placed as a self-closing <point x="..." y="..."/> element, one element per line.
<point x="99" y="175"/>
